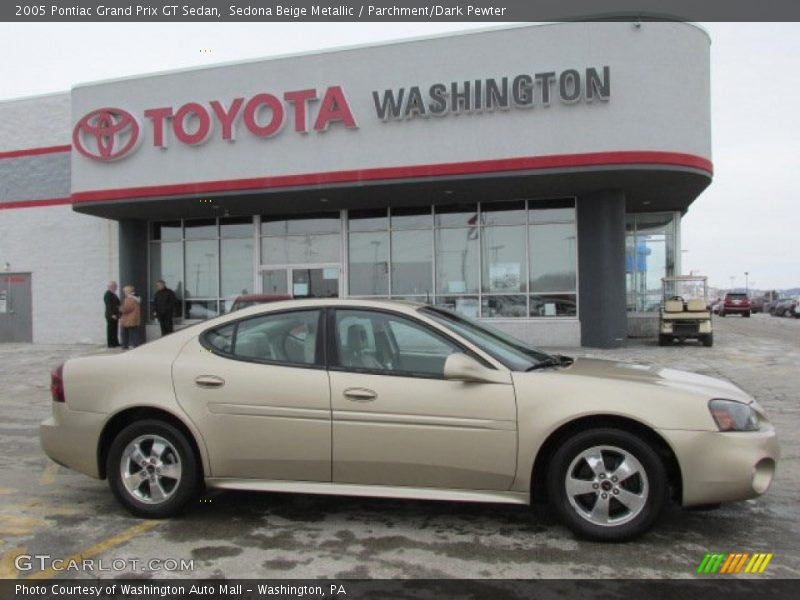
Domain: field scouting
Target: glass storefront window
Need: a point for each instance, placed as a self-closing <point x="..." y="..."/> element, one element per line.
<point x="504" y="259"/>
<point x="650" y="254"/>
<point x="457" y="260"/>
<point x="201" y="269"/>
<point x="412" y="262"/>
<point x="554" y="305"/>
<point x="504" y="306"/>
<point x="368" y="220"/>
<point x="236" y="228"/>
<point x="412" y="218"/>
<point x="237" y="267"/>
<point x="328" y="222"/>
<point x="166" y="262"/>
<point x="167" y="231"/>
<point x="369" y="263"/>
<point x="201" y="309"/>
<point x="469" y="306"/>
<point x="200" y="229"/>
<point x="300" y="249"/>
<point x="456" y="215"/>
<point x="274" y="281"/>
<point x="551" y="211"/>
<point x="552" y="258"/>
<point x="503" y="213"/>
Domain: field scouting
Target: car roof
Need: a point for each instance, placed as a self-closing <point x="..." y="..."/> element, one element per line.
<point x="261" y="297"/>
<point x="406" y="306"/>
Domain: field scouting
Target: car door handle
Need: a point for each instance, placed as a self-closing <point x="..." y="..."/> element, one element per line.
<point x="360" y="394"/>
<point x="209" y="381"/>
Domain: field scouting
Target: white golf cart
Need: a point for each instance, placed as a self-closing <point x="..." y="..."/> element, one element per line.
<point x="684" y="311"/>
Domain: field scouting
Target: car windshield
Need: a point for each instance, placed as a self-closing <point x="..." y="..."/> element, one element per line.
<point x="510" y="351"/>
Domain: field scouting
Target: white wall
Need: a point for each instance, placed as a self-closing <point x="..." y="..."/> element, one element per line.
<point x="71" y="257"/>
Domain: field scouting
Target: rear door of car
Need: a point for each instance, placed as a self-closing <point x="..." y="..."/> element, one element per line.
<point x="258" y="391"/>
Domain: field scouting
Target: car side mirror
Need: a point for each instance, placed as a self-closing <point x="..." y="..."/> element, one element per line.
<point x="460" y="367"/>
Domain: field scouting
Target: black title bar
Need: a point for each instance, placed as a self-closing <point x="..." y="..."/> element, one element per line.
<point x="152" y="11"/>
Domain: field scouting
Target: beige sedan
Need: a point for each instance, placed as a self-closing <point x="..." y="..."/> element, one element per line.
<point x="391" y="399"/>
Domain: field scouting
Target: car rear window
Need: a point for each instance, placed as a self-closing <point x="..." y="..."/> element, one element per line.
<point x="737" y="296"/>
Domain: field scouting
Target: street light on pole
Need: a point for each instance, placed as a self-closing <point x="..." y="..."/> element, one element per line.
<point x="746" y="283"/>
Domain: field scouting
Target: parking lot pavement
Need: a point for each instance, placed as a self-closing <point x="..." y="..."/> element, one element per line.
<point x="46" y="509"/>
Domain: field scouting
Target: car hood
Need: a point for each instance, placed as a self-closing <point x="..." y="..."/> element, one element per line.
<point x="651" y="374"/>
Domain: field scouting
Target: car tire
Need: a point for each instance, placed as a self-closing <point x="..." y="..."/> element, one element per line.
<point x="787" y="313"/>
<point x="589" y="500"/>
<point x="708" y="340"/>
<point x="664" y="340"/>
<point x="721" y="314"/>
<point x="160" y="468"/>
<point x="746" y="315"/>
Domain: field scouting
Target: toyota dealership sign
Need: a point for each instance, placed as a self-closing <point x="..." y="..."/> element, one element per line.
<point x="509" y="94"/>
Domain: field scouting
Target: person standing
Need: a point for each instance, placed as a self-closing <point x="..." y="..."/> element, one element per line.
<point x="112" y="303"/>
<point x="164" y="303"/>
<point x="131" y="317"/>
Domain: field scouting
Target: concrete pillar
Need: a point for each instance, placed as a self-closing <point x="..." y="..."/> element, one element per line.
<point x="133" y="263"/>
<point x="601" y="268"/>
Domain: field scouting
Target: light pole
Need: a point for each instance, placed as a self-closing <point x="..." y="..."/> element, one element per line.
<point x="746" y="283"/>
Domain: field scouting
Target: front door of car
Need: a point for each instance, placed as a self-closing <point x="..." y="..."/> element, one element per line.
<point x="397" y="421"/>
<point x="258" y="392"/>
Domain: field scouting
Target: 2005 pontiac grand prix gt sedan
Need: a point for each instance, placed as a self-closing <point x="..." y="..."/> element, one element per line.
<point x="393" y="399"/>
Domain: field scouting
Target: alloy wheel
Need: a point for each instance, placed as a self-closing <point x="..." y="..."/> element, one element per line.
<point x="606" y="485"/>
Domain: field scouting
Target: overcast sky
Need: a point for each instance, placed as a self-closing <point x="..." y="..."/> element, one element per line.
<point x="747" y="220"/>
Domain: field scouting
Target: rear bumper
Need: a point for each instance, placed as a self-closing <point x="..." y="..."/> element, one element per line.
<point x="735" y="310"/>
<point x="724" y="467"/>
<point x="70" y="438"/>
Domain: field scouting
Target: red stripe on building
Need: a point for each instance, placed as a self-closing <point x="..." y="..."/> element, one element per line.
<point x="35" y="203"/>
<point x="533" y="163"/>
<point x="35" y="151"/>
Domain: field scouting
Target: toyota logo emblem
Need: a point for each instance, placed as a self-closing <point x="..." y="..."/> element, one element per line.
<point x="106" y="134"/>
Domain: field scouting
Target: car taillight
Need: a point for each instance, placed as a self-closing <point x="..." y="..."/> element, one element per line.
<point x="57" y="384"/>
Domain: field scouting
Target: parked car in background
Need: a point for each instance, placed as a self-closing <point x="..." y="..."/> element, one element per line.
<point x="249" y="300"/>
<point x="757" y="304"/>
<point x="784" y="308"/>
<point x="735" y="303"/>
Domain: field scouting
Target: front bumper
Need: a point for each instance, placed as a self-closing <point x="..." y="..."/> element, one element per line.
<point x="70" y="438"/>
<point x="724" y="467"/>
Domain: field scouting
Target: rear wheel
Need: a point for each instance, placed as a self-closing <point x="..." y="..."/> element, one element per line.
<point x="708" y="340"/>
<point x="664" y="340"/>
<point x="152" y="469"/>
<point x="746" y="315"/>
<point x="607" y="485"/>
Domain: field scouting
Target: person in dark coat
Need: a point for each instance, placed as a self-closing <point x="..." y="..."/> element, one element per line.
<point x="164" y="304"/>
<point x="112" y="303"/>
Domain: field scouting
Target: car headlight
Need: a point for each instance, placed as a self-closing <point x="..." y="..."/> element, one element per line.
<point x="733" y="416"/>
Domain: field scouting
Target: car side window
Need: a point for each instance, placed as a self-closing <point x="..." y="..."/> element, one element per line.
<point x="390" y="344"/>
<point x="285" y="338"/>
<point x="221" y="338"/>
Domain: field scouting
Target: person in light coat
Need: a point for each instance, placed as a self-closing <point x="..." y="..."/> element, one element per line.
<point x="130" y="317"/>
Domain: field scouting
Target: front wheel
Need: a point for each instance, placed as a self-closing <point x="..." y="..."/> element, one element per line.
<point x="152" y="469"/>
<point x="607" y="485"/>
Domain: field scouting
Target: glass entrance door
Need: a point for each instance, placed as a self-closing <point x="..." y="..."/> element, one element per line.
<point x="302" y="282"/>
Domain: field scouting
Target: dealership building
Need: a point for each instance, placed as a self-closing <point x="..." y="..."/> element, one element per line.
<point x="533" y="177"/>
